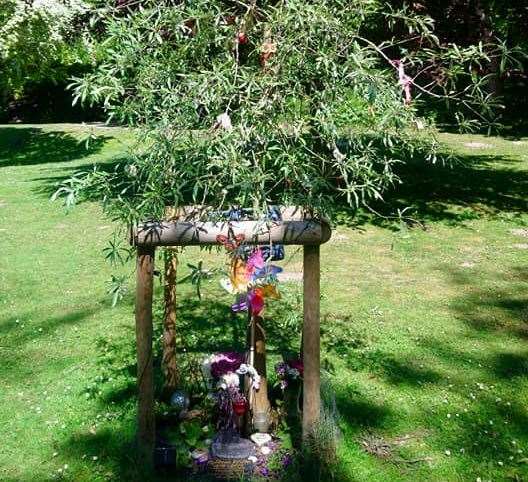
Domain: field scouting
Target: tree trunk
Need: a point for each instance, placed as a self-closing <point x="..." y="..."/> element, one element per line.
<point x="258" y="399"/>
<point x="495" y="84"/>
<point x="169" y="363"/>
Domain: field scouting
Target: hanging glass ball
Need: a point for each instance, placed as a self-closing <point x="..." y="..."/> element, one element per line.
<point x="180" y="400"/>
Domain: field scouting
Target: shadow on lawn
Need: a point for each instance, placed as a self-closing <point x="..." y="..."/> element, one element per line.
<point x="487" y="308"/>
<point x="474" y="186"/>
<point x="25" y="146"/>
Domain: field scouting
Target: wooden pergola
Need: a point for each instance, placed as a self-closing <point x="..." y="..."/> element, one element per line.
<point x="295" y="228"/>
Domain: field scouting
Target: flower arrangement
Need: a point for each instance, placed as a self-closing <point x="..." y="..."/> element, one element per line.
<point x="225" y="368"/>
<point x="223" y="371"/>
<point x="289" y="370"/>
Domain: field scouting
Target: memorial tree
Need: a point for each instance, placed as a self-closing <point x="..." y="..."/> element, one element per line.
<point x="253" y="104"/>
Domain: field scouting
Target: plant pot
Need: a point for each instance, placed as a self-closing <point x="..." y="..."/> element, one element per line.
<point x="165" y="456"/>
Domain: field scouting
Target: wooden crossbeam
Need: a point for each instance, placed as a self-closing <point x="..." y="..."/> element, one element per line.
<point x="191" y="233"/>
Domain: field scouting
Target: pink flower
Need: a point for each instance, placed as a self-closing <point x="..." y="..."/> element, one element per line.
<point x="255" y="261"/>
<point x="224" y="363"/>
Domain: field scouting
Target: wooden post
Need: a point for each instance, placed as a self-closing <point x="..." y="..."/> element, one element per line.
<point x="310" y="341"/>
<point x="145" y="380"/>
<point x="169" y="364"/>
<point x="261" y="404"/>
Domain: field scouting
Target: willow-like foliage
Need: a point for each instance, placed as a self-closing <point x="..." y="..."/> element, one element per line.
<point x="254" y="103"/>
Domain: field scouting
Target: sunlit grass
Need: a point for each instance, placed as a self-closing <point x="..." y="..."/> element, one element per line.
<point x="424" y="329"/>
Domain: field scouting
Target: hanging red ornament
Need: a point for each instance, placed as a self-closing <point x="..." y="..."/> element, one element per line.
<point x="242" y="38"/>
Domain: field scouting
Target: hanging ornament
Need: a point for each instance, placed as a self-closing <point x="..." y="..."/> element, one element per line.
<point x="267" y="49"/>
<point x="180" y="400"/>
<point x="266" y="52"/>
<point x="242" y="38"/>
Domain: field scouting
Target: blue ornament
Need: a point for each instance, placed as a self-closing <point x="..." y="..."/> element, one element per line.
<point x="180" y="400"/>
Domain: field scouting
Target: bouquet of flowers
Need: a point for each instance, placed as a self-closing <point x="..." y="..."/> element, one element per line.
<point x="289" y="370"/>
<point x="223" y="371"/>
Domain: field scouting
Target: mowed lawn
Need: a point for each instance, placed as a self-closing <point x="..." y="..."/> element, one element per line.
<point x="425" y="327"/>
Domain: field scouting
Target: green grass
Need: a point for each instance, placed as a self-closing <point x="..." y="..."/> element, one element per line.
<point x="425" y="330"/>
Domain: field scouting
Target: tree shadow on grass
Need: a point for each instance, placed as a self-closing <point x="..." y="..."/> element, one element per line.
<point x="113" y="448"/>
<point x="492" y="418"/>
<point x="491" y="309"/>
<point x="16" y="338"/>
<point x="48" y="185"/>
<point x="26" y="146"/>
<point x="360" y="413"/>
<point x="474" y="186"/>
<point x="209" y="326"/>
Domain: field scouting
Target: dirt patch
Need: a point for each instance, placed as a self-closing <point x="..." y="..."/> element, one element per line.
<point x="387" y="449"/>
<point x="520" y="232"/>
<point x="521" y="246"/>
<point x="292" y="276"/>
<point x="478" y="145"/>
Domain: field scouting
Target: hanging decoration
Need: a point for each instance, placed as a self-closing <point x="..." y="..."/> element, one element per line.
<point x="252" y="280"/>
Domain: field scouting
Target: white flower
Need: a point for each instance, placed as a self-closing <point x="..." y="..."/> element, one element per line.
<point x="230" y="380"/>
<point x="293" y="373"/>
<point x="224" y="121"/>
<point x="250" y="370"/>
<point x="265" y="450"/>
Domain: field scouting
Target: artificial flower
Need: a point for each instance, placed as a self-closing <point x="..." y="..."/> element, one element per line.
<point x="256" y="302"/>
<point x="229" y="380"/>
<point x="238" y="275"/>
<point x="246" y="369"/>
<point x="297" y="365"/>
<point x="268" y="291"/>
<point x="226" y="362"/>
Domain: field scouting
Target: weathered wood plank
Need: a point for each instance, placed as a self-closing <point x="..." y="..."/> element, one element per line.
<point x="311" y="341"/>
<point x="145" y="380"/>
<point x="188" y="233"/>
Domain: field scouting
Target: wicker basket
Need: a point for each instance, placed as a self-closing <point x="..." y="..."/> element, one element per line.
<point x="230" y="469"/>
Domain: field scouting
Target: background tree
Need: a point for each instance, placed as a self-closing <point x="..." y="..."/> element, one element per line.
<point x="42" y="42"/>
<point x="496" y="29"/>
